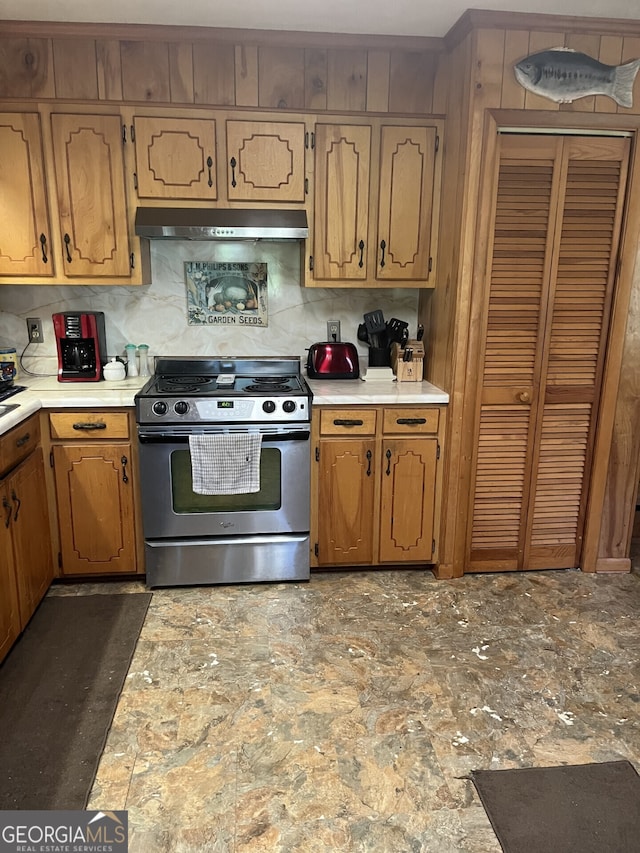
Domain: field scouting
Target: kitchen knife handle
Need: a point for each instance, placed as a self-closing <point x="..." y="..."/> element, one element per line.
<point x="98" y="425"/>
<point x="233" y="163"/>
<point x="388" y="455"/>
<point x="347" y="422"/>
<point x="67" y="240"/>
<point x="411" y="421"/>
<point x="383" y="246"/>
<point x="43" y="246"/>
<point x="369" y="461"/>
<point x="209" y="165"/>
<point x="361" y="247"/>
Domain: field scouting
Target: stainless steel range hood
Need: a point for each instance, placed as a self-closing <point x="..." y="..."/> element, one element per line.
<point x="195" y="223"/>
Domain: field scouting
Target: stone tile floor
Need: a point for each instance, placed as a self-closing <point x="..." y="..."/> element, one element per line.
<point x="344" y="714"/>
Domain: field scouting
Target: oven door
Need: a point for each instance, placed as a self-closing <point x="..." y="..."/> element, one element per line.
<point x="170" y="507"/>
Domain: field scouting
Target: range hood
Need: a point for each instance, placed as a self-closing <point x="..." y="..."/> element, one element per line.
<point x="196" y="223"/>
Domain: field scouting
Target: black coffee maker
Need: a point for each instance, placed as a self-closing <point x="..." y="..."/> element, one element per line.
<point x="81" y="345"/>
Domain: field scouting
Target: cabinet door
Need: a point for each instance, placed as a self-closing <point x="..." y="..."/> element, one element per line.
<point x="30" y="532"/>
<point x="265" y="161"/>
<point x="25" y="235"/>
<point x="551" y="272"/>
<point x="342" y="172"/>
<point x="91" y="195"/>
<point x="95" y="508"/>
<point x="346" y="501"/>
<point x="175" y="158"/>
<point x="407" y="164"/>
<point x="408" y="499"/>
<point x="9" y="611"/>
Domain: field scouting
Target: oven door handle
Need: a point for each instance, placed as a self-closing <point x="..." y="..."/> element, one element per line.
<point x="167" y="438"/>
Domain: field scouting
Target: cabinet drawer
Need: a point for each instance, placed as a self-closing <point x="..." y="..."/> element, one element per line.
<point x="18" y="443"/>
<point x="89" y="425"/>
<point x="400" y="420"/>
<point x="354" y="421"/>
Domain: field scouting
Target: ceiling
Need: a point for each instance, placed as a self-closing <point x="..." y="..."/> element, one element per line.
<point x="398" y="17"/>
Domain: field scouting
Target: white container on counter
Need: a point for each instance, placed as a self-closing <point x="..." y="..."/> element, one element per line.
<point x="113" y="371"/>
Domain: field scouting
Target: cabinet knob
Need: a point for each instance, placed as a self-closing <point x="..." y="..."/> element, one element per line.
<point x="524" y="397"/>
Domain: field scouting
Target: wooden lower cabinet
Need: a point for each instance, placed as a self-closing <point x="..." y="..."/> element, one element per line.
<point x="375" y="485"/>
<point x="26" y="566"/>
<point x="94" y="484"/>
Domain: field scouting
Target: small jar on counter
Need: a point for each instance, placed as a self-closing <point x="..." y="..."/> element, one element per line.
<point x="132" y="366"/>
<point x="143" y="356"/>
<point x="113" y="371"/>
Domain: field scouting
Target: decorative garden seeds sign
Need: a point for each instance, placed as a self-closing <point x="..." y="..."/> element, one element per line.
<point x="226" y="294"/>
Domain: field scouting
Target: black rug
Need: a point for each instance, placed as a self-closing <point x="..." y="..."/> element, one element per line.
<point x="586" y="808"/>
<point x="59" y="687"/>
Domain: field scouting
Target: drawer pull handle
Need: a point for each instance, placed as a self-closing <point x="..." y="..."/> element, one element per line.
<point x="123" y="462"/>
<point x="7" y="506"/>
<point x="347" y="422"/>
<point x="411" y="421"/>
<point x="43" y="246"/>
<point x="209" y="166"/>
<point x="369" y="461"/>
<point x="18" y="504"/>
<point x="67" y="240"/>
<point x="233" y="163"/>
<point x="388" y="455"/>
<point x="361" y="247"/>
<point x="98" y="425"/>
<point x="20" y="442"/>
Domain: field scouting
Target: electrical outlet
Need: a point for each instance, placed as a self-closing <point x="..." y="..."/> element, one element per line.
<point x="34" y="326"/>
<point x="333" y="330"/>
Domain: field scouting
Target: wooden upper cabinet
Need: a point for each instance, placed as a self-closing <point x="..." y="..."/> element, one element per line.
<point x="88" y="157"/>
<point x="175" y="158"/>
<point x="25" y="234"/>
<point x="342" y="174"/>
<point x="265" y="161"/>
<point x="406" y="200"/>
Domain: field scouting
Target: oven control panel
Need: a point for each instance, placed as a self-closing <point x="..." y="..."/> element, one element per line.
<point x="228" y="410"/>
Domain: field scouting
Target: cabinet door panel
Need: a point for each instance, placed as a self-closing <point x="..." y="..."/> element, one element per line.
<point x="95" y="508"/>
<point x="25" y="235"/>
<point x="408" y="499"/>
<point x="30" y="531"/>
<point x="343" y="165"/>
<point x="346" y="501"/>
<point x="407" y="164"/>
<point x="175" y="158"/>
<point x="9" y="611"/>
<point x="265" y="161"/>
<point x="91" y="195"/>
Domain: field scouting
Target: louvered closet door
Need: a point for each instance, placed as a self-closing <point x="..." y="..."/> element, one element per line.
<point x="552" y="259"/>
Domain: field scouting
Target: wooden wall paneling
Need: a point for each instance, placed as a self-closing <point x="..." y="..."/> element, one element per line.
<point x="281" y="78"/>
<point x="26" y="68"/>
<point x="441" y="85"/>
<point x="516" y="47"/>
<point x="347" y="80"/>
<point x="378" y="63"/>
<point x="315" y="79"/>
<point x="75" y="69"/>
<point x="109" y="70"/>
<point x="145" y="71"/>
<point x="541" y="41"/>
<point x="488" y="72"/>
<point x="181" y="72"/>
<point x="214" y="73"/>
<point x="589" y="45"/>
<point x="246" y="75"/>
<point x="411" y="80"/>
<point x="631" y="50"/>
<point x="610" y="54"/>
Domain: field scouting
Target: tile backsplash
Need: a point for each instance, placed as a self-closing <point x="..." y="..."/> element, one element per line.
<point x="156" y="314"/>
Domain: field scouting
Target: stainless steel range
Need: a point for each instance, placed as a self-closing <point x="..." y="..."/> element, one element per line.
<point x="193" y="537"/>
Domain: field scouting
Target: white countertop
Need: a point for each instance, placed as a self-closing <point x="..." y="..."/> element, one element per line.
<point x="46" y="392"/>
<point x="340" y="392"/>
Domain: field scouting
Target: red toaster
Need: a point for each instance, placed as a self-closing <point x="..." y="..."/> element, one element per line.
<point x="333" y="360"/>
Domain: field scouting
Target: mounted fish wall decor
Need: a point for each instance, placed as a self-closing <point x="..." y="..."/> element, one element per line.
<point x="563" y="75"/>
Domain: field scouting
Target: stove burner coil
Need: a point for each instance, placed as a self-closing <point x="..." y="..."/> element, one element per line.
<point x="267" y="386"/>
